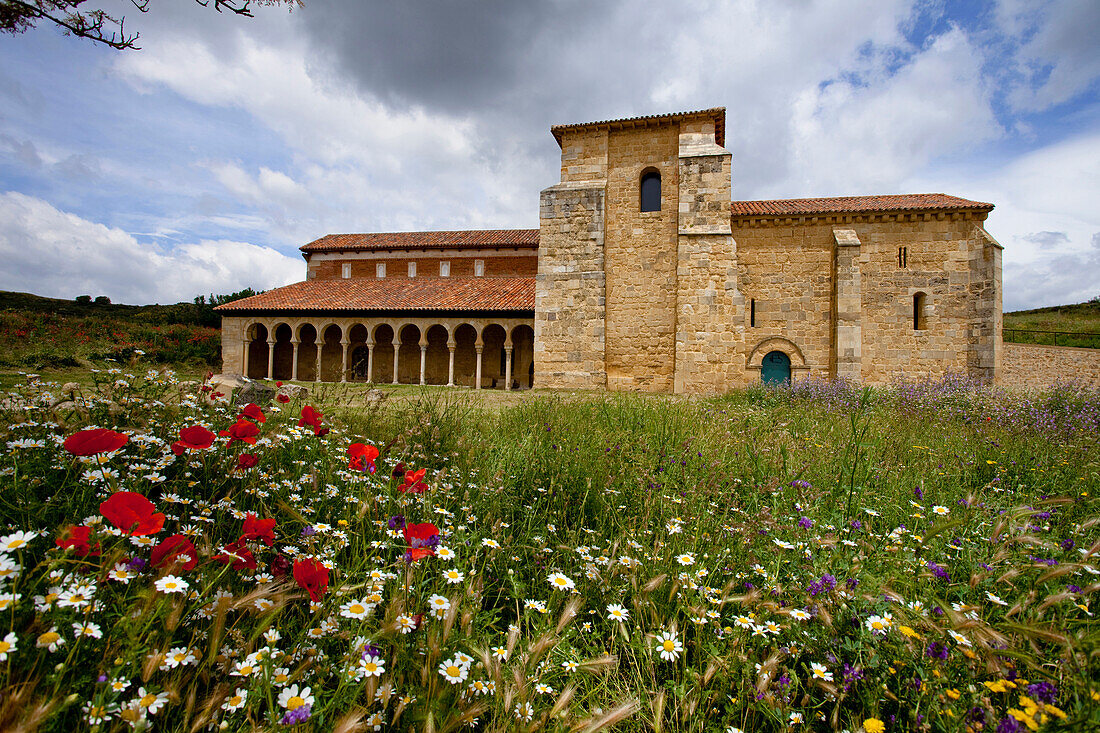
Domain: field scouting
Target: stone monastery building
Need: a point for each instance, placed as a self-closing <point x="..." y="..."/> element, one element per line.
<point x="643" y="275"/>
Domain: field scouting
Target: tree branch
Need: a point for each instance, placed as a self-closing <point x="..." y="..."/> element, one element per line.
<point x="88" y="25"/>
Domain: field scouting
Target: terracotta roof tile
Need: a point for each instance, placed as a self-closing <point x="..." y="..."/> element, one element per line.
<point x="855" y="205"/>
<point x="522" y="238"/>
<point x="717" y="113"/>
<point x="371" y="294"/>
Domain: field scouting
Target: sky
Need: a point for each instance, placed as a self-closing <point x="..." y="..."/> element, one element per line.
<point x="200" y="163"/>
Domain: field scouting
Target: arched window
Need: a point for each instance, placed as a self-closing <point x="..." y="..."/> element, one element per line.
<point x="650" y="190"/>
<point x="919" y="302"/>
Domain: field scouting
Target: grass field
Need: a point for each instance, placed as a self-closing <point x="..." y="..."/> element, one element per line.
<point x="1026" y="327"/>
<point x="49" y="333"/>
<point x="809" y="558"/>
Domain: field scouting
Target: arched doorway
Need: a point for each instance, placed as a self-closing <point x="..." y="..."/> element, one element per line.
<point x="438" y="357"/>
<point x="307" y="353"/>
<point x="283" y="362"/>
<point x="357" y="335"/>
<point x="775" y="368"/>
<point x="523" y="356"/>
<point x="383" y="354"/>
<point x="332" y="355"/>
<point x="257" y="352"/>
<point x="408" y="356"/>
<point x="492" y="356"/>
<point x="465" y="355"/>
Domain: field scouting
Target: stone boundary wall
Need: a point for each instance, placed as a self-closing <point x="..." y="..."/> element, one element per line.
<point x="1034" y="366"/>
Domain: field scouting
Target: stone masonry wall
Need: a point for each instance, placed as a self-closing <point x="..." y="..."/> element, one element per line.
<point x="1031" y="366"/>
<point x="640" y="261"/>
<point x="570" y="288"/>
<point x="709" y="306"/>
<point x="788" y="271"/>
<point x="940" y="256"/>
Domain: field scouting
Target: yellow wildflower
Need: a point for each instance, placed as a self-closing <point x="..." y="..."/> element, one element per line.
<point x="874" y="725"/>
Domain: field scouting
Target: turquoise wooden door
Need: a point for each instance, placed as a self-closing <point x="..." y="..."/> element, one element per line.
<point x="776" y="368"/>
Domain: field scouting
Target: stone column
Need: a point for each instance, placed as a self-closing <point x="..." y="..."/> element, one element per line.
<point x="848" y="334"/>
<point x="477" y="376"/>
<point x="270" y="358"/>
<point x="319" y="345"/>
<point x="423" y="360"/>
<point x="370" y="362"/>
<point x="244" y="356"/>
<point x="396" y="350"/>
<point x="507" y="367"/>
<point x="451" y="363"/>
<point x="294" y="360"/>
<point x="344" y="371"/>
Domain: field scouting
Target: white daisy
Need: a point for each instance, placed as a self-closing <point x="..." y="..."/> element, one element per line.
<point x="669" y="647"/>
<point x="616" y="612"/>
<point x="561" y="582"/>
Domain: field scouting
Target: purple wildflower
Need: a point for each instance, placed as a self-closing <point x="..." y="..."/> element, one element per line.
<point x="397" y="521"/>
<point x="1043" y="691"/>
<point x="805" y="523"/>
<point x="296" y="716"/>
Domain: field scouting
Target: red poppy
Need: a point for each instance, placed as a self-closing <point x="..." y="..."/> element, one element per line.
<point x="278" y="384"/>
<point x="176" y="550"/>
<point x="195" y="437"/>
<point x="77" y="538"/>
<point x="242" y="430"/>
<point x="93" y="441"/>
<point x="280" y="566"/>
<point x="413" y="483"/>
<point x="247" y="460"/>
<point x="132" y="513"/>
<point x="237" y="554"/>
<point x="361" y="457"/>
<point x="312" y="577"/>
<point x="253" y="411"/>
<point x="312" y="418"/>
<point x="283" y="398"/>
<point x="258" y="529"/>
<point x="422" y="540"/>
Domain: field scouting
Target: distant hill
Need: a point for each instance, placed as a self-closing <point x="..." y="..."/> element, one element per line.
<point x="1051" y="325"/>
<point x="42" y="333"/>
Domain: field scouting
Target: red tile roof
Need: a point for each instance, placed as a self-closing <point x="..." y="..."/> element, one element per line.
<point x="387" y="294"/>
<point x="718" y="114"/>
<point x="856" y="205"/>
<point x="521" y="238"/>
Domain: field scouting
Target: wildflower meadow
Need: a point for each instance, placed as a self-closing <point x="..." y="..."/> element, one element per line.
<point x="805" y="558"/>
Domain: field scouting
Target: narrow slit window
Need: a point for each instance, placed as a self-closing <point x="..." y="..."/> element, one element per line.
<point x="651" y="190"/>
<point x="479" y="268"/>
<point x="444" y="269"/>
<point x="345" y="271"/>
<point x="752" y="313"/>
<point x="919" y="302"/>
<point x="412" y="269"/>
<point x="380" y="269"/>
<point x="903" y="257"/>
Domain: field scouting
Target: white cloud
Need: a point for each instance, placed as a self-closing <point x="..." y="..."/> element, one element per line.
<point x="1058" y="57"/>
<point x="1045" y="217"/>
<point x="871" y="136"/>
<point x="52" y="253"/>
